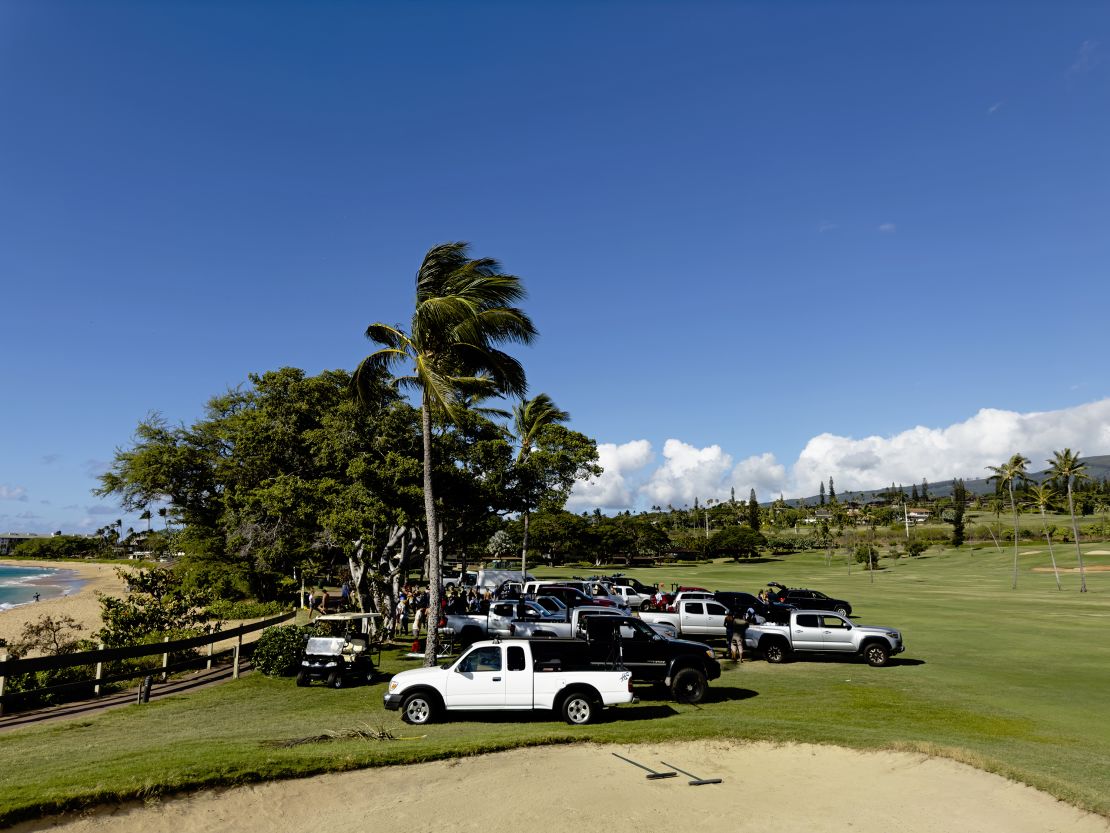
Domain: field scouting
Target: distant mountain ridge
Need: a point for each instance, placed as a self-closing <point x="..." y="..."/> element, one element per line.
<point x="1098" y="468"/>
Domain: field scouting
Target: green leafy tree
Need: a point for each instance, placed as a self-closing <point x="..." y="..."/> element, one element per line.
<point x="753" y="511"/>
<point x="464" y="310"/>
<point x="832" y="491"/>
<point x="821" y="494"/>
<point x="156" y="605"/>
<point x="1066" y="468"/>
<point x="959" y="505"/>
<point x="1007" y="475"/>
<point x="737" y="542"/>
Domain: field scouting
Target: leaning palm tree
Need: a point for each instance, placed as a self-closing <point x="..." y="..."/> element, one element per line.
<point x="1041" y="495"/>
<point x="530" y="417"/>
<point x="1010" y="471"/>
<point x="463" y="310"/>
<point x="1066" y="467"/>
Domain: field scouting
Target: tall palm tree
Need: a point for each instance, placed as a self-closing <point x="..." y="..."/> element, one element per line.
<point x="1006" y="474"/>
<point x="530" y="417"/>
<point x="1066" y="467"/>
<point x="1041" y="495"/>
<point x="464" y="308"/>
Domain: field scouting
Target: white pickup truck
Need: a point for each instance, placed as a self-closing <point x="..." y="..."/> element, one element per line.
<point x="504" y="675"/>
<point x="692" y="618"/>
<point x="822" y="631"/>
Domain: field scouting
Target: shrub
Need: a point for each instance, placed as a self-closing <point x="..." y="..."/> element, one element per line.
<point x="279" y="650"/>
<point x="226" y="609"/>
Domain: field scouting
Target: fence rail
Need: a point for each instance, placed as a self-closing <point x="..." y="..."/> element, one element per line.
<point x="96" y="660"/>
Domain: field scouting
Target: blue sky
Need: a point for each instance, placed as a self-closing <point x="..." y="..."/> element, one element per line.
<point x="764" y="243"/>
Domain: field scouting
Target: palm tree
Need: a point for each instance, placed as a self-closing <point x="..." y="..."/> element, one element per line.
<point x="1041" y="496"/>
<point x="1013" y="469"/>
<point x="530" y="417"/>
<point x="146" y="517"/>
<point x="1065" y="466"/>
<point x="463" y="310"/>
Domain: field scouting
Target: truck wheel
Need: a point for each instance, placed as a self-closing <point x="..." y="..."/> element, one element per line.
<point x="302" y="678"/>
<point x="578" y="709"/>
<point x="335" y="680"/>
<point x="774" y="652"/>
<point x="419" y="709"/>
<point x="877" y="654"/>
<point x="843" y="611"/>
<point x="646" y="606"/>
<point x="689" y="686"/>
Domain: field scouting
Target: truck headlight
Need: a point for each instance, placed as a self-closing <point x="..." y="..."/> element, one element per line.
<point x="709" y="653"/>
<point x="392" y="685"/>
<point x="331" y="665"/>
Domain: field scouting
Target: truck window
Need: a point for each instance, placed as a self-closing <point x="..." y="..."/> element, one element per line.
<point x="833" y="622"/>
<point x="809" y="620"/>
<point x="482" y="659"/>
<point x="695" y="608"/>
<point x="516" y="658"/>
<point x="715" y="610"/>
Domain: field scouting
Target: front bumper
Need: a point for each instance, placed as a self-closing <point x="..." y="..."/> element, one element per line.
<point x="393" y="701"/>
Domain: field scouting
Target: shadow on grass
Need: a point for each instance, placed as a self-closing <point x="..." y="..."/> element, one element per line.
<point x="833" y="659"/>
<point x="623" y="713"/>
<point x="713" y="694"/>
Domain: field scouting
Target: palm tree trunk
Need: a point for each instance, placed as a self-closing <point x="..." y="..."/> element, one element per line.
<point x="524" y="549"/>
<point x="1013" y="508"/>
<point x="435" y="565"/>
<point x="1075" y="535"/>
<point x="1051" y="553"/>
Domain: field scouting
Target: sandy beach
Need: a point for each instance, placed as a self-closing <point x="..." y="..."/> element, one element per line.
<point x="81" y="604"/>
<point x="584" y="788"/>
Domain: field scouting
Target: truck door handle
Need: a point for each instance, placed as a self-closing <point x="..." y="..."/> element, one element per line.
<point x="497" y="679"/>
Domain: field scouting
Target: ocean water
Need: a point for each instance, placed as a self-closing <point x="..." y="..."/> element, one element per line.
<point x="18" y="584"/>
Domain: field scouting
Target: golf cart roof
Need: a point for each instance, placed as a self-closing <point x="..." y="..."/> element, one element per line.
<point x="353" y="616"/>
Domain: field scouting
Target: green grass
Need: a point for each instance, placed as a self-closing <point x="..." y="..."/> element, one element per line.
<point x="1013" y="682"/>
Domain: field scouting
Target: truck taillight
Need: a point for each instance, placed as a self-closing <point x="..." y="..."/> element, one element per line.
<point x="630" y="684"/>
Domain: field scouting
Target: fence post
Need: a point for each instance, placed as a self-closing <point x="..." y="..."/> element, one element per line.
<point x="210" y="644"/>
<point x="3" y="658"/>
<point x="165" y="663"/>
<point x="99" y="672"/>
<point x="235" y="659"/>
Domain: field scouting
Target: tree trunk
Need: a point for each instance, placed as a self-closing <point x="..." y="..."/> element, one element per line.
<point x="1075" y="534"/>
<point x="1051" y="554"/>
<point x="434" y="563"/>
<point x="524" y="548"/>
<point x="1013" y="508"/>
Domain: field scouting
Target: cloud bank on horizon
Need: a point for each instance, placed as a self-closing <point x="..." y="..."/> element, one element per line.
<point x="634" y="479"/>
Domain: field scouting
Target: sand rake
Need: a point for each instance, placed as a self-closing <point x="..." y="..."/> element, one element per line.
<point x="697" y="782"/>
<point x="652" y="774"/>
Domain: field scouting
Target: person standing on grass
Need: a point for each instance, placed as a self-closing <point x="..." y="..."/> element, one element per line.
<point x="323" y="601"/>
<point x="311" y="601"/>
<point x="345" y="596"/>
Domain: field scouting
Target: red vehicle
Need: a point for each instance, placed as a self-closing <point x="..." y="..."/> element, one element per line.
<point x="665" y="601"/>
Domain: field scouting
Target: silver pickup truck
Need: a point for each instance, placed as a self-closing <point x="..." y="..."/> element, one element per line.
<point x="821" y="631"/>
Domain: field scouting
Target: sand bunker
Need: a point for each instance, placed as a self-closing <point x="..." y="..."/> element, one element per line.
<point x="584" y="788"/>
<point x="1090" y="568"/>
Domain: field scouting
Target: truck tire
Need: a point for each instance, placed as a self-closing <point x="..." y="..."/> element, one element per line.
<point x="419" y="708"/>
<point x="302" y="678"/>
<point x="775" y="651"/>
<point x="877" y="654"/>
<point x="578" y="708"/>
<point x="335" y="679"/>
<point x="689" y="686"/>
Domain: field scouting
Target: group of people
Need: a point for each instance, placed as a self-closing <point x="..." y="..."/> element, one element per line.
<point x="319" y="599"/>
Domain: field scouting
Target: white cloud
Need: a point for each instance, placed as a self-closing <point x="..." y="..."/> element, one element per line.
<point x="994" y="108"/>
<point x="611" y="490"/>
<point x="964" y="449"/>
<point x="687" y="472"/>
<point x="888" y="228"/>
<point x="1086" y="59"/>
<point x="13" y="493"/>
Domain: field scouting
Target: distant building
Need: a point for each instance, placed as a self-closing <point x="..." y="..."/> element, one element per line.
<point x="10" y="540"/>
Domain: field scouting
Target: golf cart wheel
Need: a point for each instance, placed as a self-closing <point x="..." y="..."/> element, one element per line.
<point x="689" y="686"/>
<point x="418" y="709"/>
<point x="578" y="709"/>
<point x="335" y="680"/>
<point x="302" y="678"/>
<point x="877" y="654"/>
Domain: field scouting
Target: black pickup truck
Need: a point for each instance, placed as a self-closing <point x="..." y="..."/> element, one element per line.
<point x="604" y="641"/>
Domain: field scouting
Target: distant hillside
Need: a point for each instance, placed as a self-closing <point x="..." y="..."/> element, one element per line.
<point x="1098" y="468"/>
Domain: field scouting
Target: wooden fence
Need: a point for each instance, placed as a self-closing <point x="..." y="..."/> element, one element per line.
<point x="99" y="658"/>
